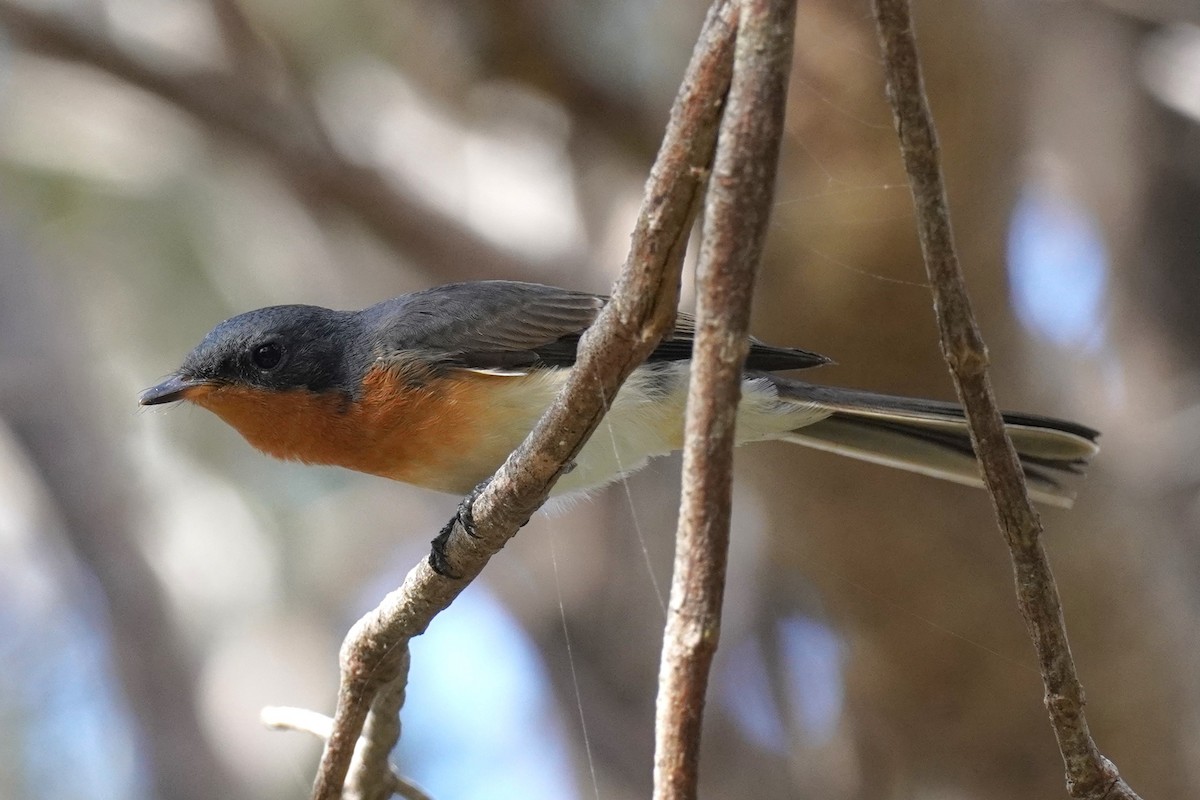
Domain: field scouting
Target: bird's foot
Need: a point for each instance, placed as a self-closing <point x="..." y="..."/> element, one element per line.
<point x="464" y="518"/>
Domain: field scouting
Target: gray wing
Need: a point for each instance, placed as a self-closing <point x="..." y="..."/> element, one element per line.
<point x="513" y="326"/>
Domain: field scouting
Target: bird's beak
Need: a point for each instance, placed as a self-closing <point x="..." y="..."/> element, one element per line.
<point x="173" y="388"/>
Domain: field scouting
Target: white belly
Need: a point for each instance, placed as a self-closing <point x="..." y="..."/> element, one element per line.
<point x="646" y="420"/>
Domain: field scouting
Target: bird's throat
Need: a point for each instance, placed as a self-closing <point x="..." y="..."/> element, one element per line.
<point x="444" y="435"/>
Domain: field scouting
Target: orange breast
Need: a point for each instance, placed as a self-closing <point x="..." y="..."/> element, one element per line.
<point x="445" y="432"/>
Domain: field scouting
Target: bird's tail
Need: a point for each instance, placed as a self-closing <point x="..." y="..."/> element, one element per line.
<point x="930" y="437"/>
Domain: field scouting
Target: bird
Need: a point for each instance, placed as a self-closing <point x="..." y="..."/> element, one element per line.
<point x="436" y="388"/>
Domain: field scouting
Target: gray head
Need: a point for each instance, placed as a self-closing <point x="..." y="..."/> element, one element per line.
<point x="279" y="348"/>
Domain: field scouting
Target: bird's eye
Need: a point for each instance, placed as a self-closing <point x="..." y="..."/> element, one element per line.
<point x="267" y="356"/>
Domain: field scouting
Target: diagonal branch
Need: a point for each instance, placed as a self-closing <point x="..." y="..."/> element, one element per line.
<point x="1089" y="774"/>
<point x="736" y="214"/>
<point x="642" y="310"/>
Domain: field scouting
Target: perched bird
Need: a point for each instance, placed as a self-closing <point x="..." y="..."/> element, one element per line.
<point x="437" y="387"/>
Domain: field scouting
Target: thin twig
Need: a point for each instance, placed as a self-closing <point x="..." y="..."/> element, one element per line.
<point x="1089" y="774"/>
<point x="285" y="135"/>
<point x="304" y="720"/>
<point x="641" y="311"/>
<point x="737" y="210"/>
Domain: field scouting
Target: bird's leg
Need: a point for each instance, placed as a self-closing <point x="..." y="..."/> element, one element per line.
<point x="464" y="518"/>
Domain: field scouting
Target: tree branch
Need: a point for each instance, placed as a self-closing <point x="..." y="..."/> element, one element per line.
<point x="641" y="311"/>
<point x="284" y="718"/>
<point x="737" y="210"/>
<point x="371" y="776"/>
<point x="1089" y="774"/>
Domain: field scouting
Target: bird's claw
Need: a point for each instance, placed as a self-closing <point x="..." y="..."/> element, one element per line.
<point x="464" y="518"/>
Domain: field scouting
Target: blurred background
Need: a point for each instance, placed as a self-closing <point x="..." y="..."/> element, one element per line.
<point x="165" y="164"/>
